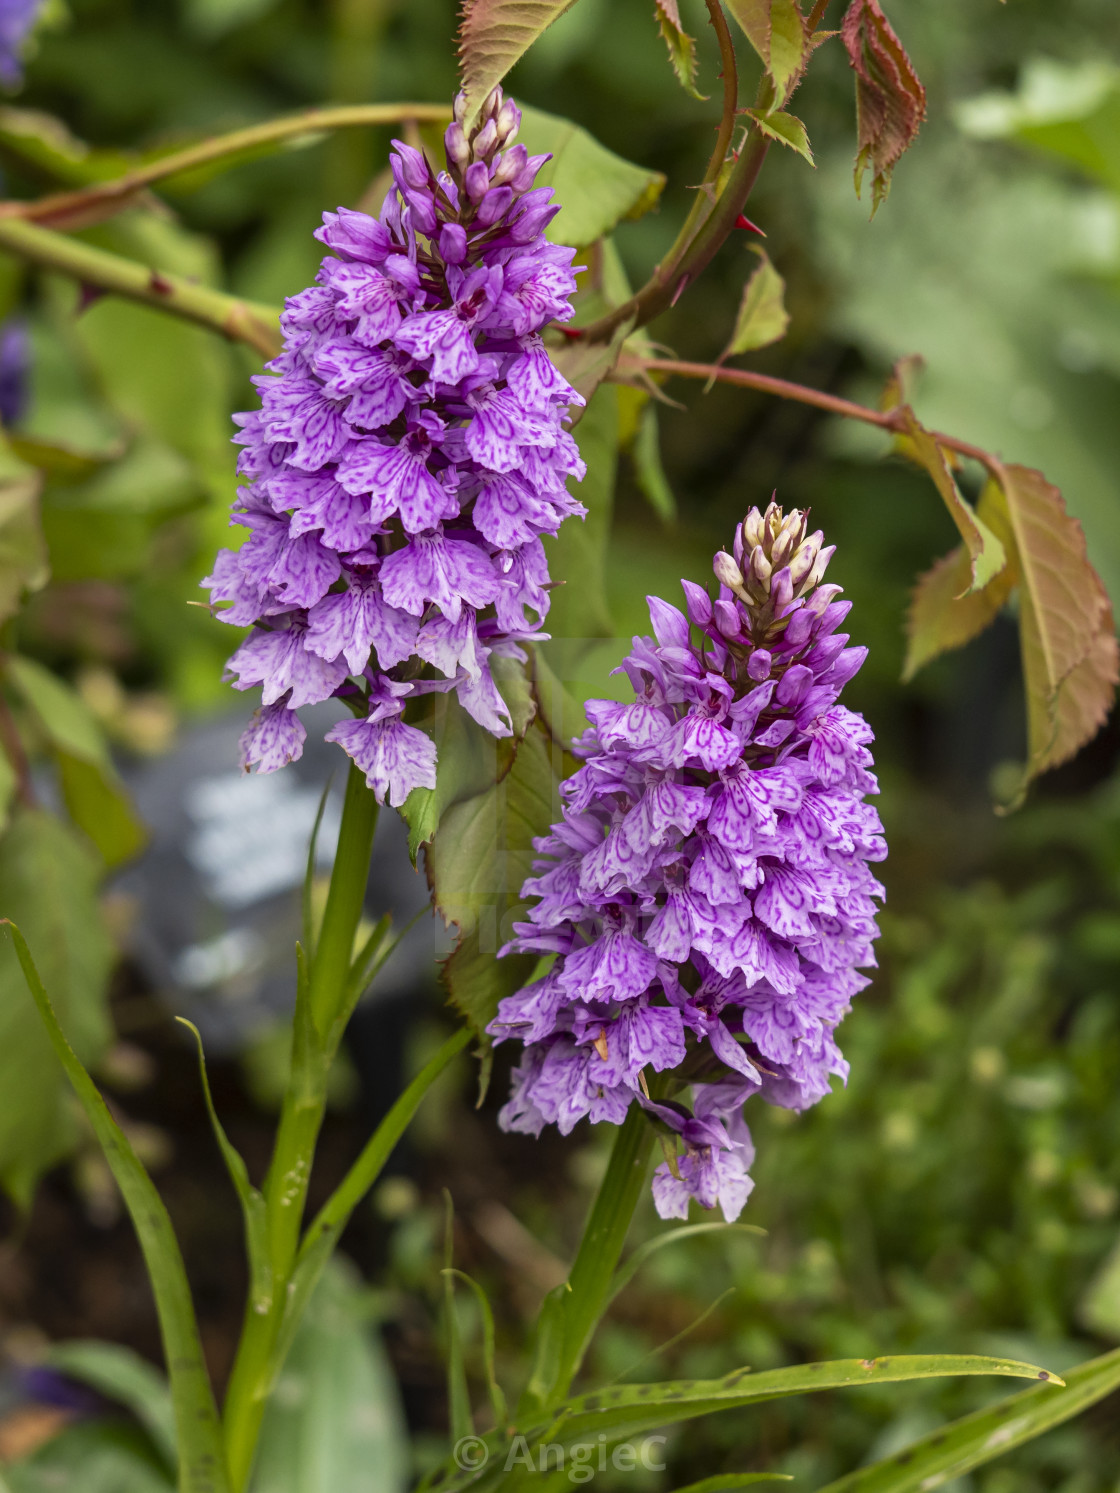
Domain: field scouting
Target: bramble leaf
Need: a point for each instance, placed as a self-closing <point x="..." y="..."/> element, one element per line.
<point x="987" y="555"/>
<point x="23" y="553"/>
<point x="481" y="855"/>
<point x="762" y="317"/>
<point x="495" y="34"/>
<point x="787" y="129"/>
<point x="1070" y="657"/>
<point x="777" y="31"/>
<point x="595" y="188"/>
<point x="682" y="48"/>
<point x="944" y="613"/>
<point x="890" y="99"/>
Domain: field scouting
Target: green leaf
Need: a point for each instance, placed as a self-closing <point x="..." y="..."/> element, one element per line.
<point x="787" y="129"/>
<point x="49" y="881"/>
<point x="23" y="552"/>
<point x="253" y="1210"/>
<point x="40" y="140"/>
<point x="762" y="317"/>
<point x="458" y="1395"/>
<point x="986" y="551"/>
<point x="630" y="1267"/>
<point x="1068" y="111"/>
<point x="334" y="1422"/>
<point x="682" y="48"/>
<point x="944" y="613"/>
<point x="477" y="863"/>
<point x="645" y="452"/>
<point x="495" y="34"/>
<point x="730" y="1480"/>
<point x="95" y="797"/>
<point x="577" y="557"/>
<point x="497" y="1398"/>
<point x="122" y="1375"/>
<point x="198" y="1430"/>
<point x="595" y="187"/>
<point x="97" y="1456"/>
<point x="955" y="1449"/>
<point x="323" y="1234"/>
<point x="776" y="30"/>
<point x="621" y="1412"/>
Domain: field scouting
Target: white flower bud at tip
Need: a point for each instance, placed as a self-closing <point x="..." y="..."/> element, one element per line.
<point x="727" y="572"/>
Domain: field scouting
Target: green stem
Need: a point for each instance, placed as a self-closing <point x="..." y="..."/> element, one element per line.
<point x="94" y="204"/>
<point x="574" y="1310"/>
<point x="243" y="321"/>
<point x="322" y="995"/>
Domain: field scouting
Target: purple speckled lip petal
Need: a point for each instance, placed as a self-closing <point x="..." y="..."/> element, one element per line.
<point x="408" y="455"/>
<point x="707" y="894"/>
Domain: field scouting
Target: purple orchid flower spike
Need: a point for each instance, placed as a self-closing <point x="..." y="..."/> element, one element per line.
<point x="707" y="897"/>
<point x="409" y="453"/>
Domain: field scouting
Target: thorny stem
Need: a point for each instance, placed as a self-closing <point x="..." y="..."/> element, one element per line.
<point x="242" y="321"/>
<point x="704" y="231"/>
<point x="894" y="420"/>
<point x="93" y="204"/>
<point x="705" y="192"/>
<point x="816" y="15"/>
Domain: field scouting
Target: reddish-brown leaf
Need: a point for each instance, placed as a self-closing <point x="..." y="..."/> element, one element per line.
<point x="1071" y="661"/>
<point x="494" y="34"/>
<point x="890" y="99"/>
<point x="944" y="614"/>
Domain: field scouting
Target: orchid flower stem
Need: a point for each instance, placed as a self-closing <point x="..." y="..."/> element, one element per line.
<point x="572" y="1312"/>
<point x="323" y="987"/>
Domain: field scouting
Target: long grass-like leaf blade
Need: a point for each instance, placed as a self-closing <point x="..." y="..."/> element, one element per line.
<point x="202" y="1467"/>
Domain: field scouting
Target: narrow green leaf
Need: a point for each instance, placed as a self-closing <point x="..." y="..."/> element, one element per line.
<point x="334" y="1423"/>
<point x="309" y="872"/>
<point x="762" y="317"/>
<point x="122" y="1375"/>
<point x="198" y="1431"/>
<point x="323" y="1233"/>
<point x="630" y="1267"/>
<point x="955" y="1449"/>
<point x="23" y="552"/>
<point x="458" y="1396"/>
<point x="497" y="1397"/>
<point x="730" y="1480"/>
<point x="787" y="129"/>
<point x="253" y="1211"/>
<point x="682" y="48"/>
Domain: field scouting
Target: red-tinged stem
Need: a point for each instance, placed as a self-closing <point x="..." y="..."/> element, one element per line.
<point x="894" y="420"/>
<point x="816" y="15"/>
<point x="711" y="218"/>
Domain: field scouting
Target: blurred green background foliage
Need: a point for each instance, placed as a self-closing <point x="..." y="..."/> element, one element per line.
<point x="963" y="1192"/>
